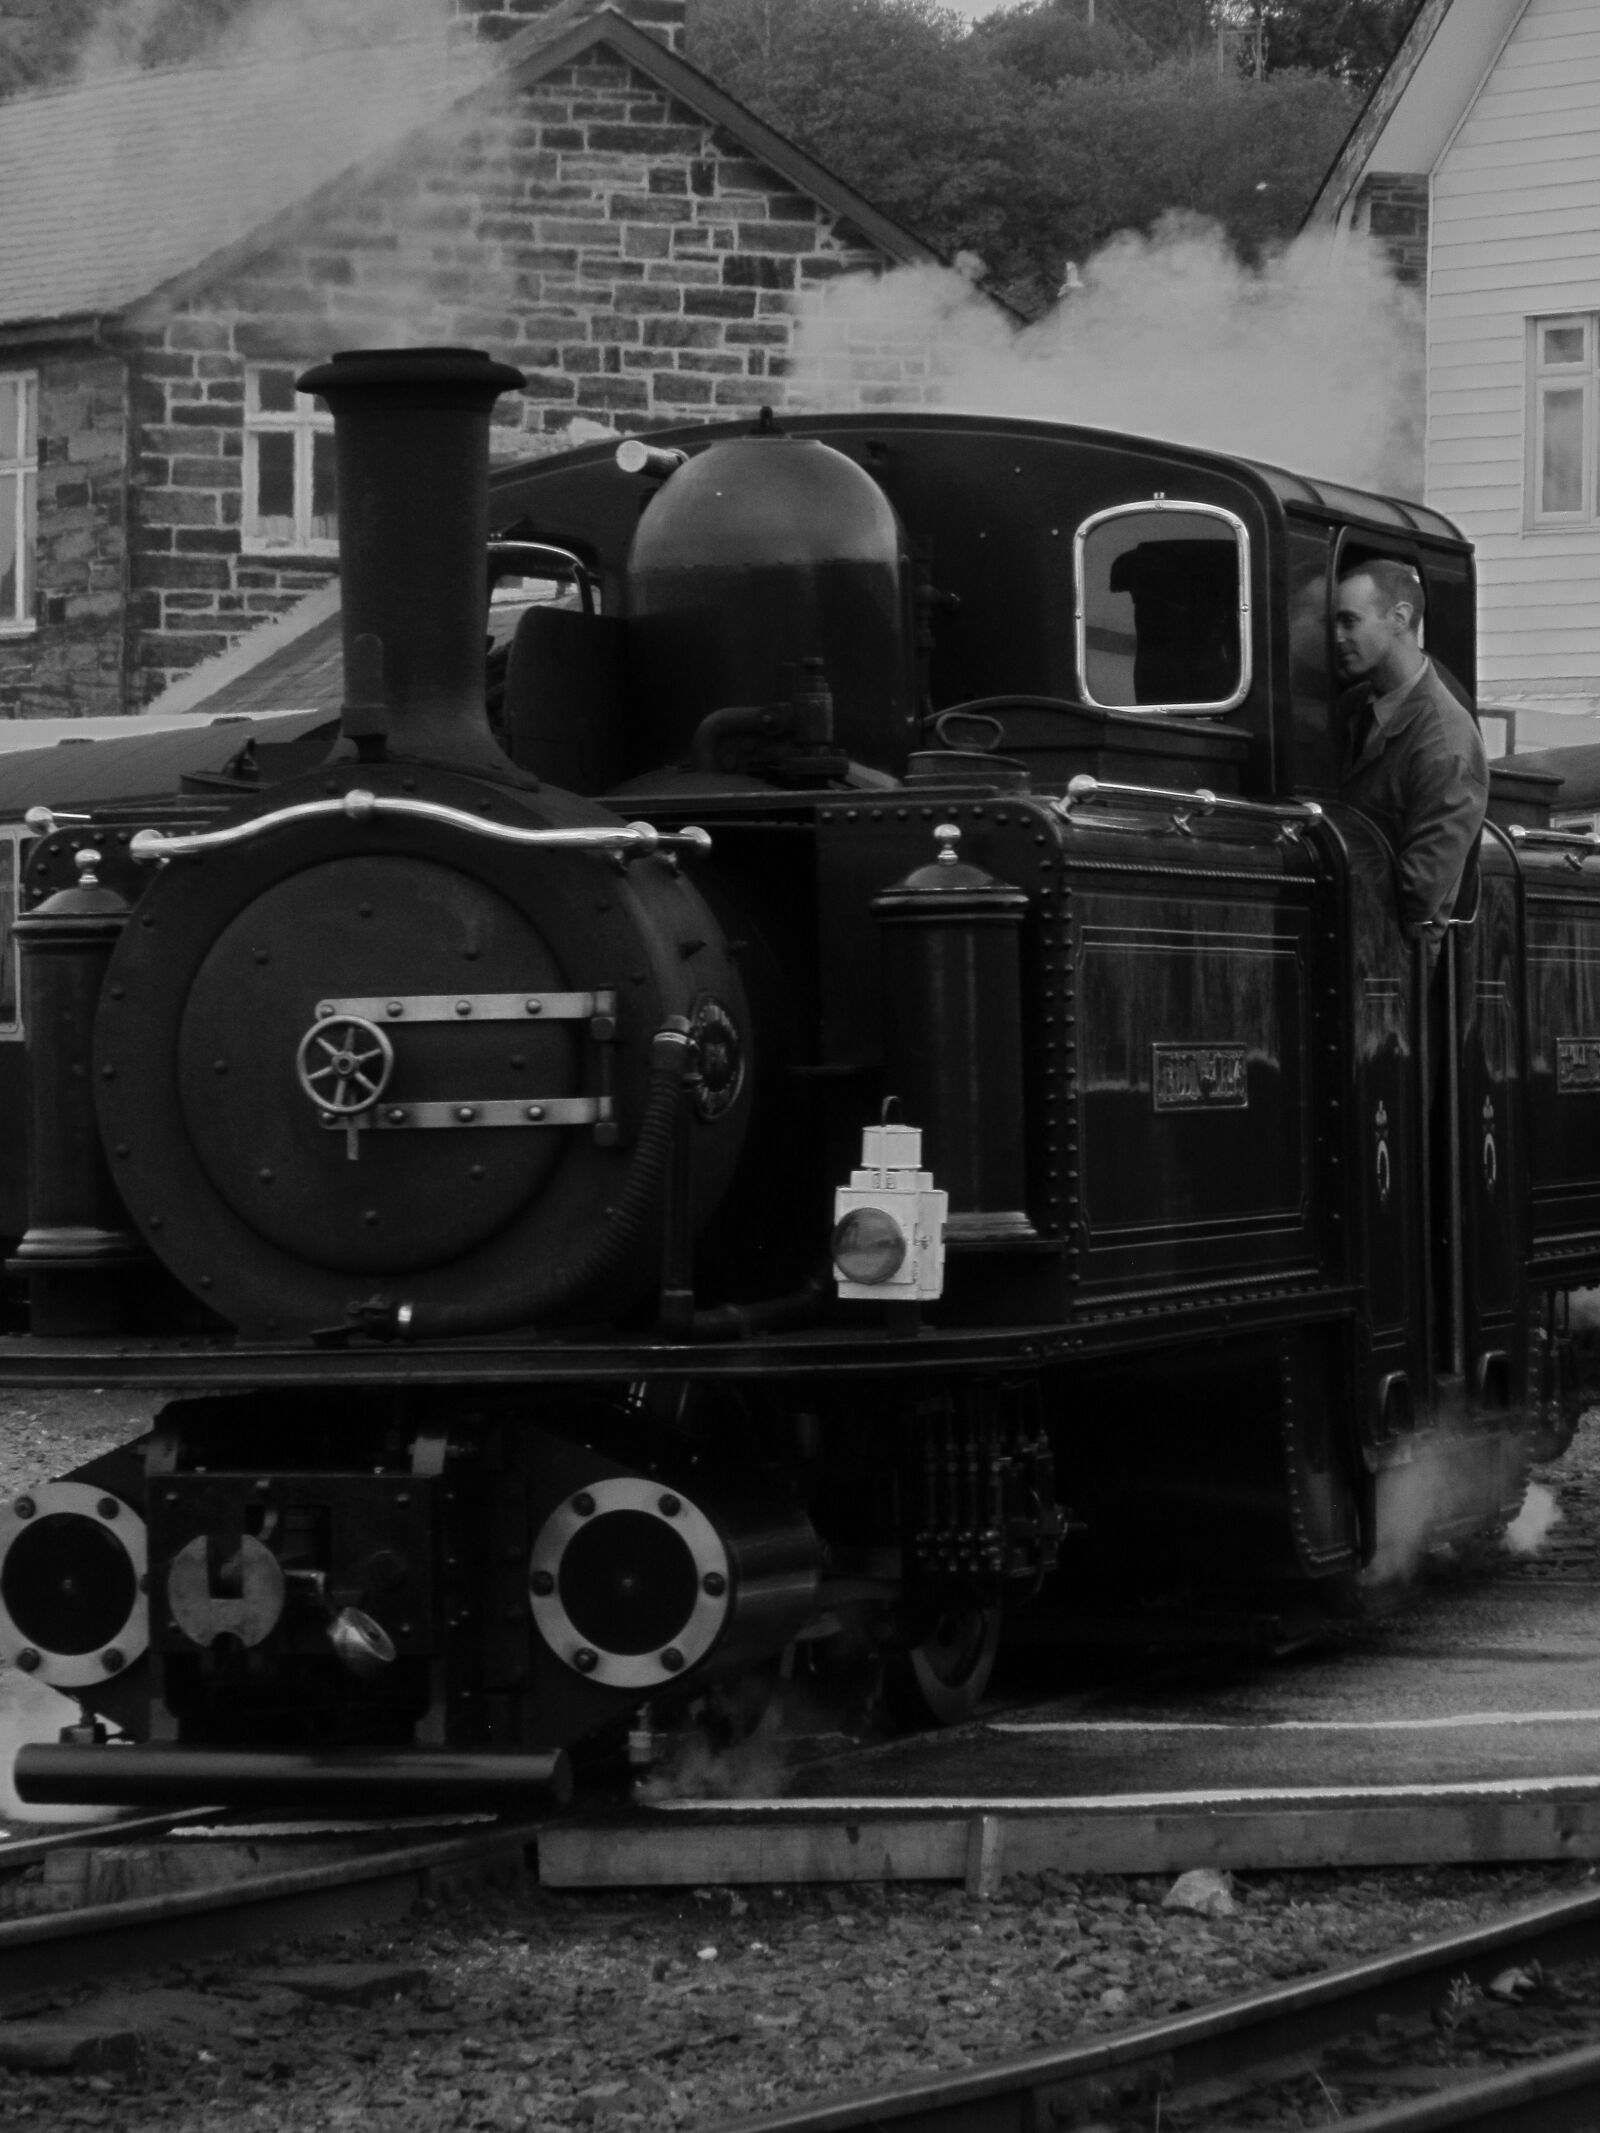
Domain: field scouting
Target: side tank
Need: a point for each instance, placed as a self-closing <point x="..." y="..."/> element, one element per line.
<point x="756" y="556"/>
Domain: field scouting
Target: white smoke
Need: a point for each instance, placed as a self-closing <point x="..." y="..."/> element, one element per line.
<point x="1312" y="359"/>
<point x="1540" y="1511"/>
<point x="268" y="30"/>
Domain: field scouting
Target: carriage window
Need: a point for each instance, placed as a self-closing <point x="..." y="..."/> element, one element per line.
<point x="1163" y="608"/>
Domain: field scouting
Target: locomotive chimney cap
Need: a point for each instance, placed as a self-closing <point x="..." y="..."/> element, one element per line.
<point x="440" y="377"/>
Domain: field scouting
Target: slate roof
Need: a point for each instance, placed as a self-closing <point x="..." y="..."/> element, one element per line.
<point x="178" y="174"/>
<point x="112" y="188"/>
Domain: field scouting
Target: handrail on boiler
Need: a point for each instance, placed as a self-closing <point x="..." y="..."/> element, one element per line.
<point x="632" y="840"/>
<point x="1289" y="816"/>
<point x="1583" y="840"/>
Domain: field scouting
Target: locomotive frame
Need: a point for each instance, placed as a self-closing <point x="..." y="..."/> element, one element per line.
<point x="986" y="768"/>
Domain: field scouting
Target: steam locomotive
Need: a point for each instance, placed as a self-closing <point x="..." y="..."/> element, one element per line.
<point x="861" y="1075"/>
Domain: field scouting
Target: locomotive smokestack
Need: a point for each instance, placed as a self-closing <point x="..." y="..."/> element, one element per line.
<point x="412" y="448"/>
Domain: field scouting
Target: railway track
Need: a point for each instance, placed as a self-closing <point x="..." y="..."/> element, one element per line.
<point x="1191" y="2073"/>
<point x="366" y="1887"/>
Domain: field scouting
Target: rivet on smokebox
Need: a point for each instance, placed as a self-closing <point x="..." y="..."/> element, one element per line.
<point x="585" y="1660"/>
<point x="112" y="1660"/>
<point x="670" y="1506"/>
<point x="672" y="1659"/>
<point x="108" y="1507"/>
<point x="714" y="1583"/>
<point x="543" y="1583"/>
<point x="24" y="1507"/>
<point x="583" y="1504"/>
<point x="28" y="1659"/>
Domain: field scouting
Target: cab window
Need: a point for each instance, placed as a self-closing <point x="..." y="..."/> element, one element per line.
<point x="1163" y="608"/>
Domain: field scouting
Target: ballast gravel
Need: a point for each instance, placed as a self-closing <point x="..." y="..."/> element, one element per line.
<point x="538" y="2009"/>
<point x="546" y="2010"/>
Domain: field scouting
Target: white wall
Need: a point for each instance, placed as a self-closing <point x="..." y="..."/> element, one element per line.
<point x="1516" y="234"/>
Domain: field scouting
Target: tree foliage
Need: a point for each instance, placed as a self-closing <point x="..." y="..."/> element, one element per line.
<point x="1005" y="143"/>
<point x="1352" y="39"/>
<point x="1046" y="42"/>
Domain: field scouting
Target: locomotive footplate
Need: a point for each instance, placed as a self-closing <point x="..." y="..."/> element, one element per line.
<point x="512" y="1359"/>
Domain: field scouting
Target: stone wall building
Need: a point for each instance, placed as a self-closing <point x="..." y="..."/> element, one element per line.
<point x="555" y="184"/>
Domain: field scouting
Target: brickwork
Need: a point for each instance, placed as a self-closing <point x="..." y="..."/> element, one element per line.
<point x="73" y="663"/>
<point x="496" y="20"/>
<point x="624" y="252"/>
<point x="1395" y="211"/>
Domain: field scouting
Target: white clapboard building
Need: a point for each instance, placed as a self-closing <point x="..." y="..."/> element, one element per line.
<point x="1477" y="163"/>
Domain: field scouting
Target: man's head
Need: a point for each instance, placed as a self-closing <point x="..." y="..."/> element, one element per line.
<point x="1376" y="620"/>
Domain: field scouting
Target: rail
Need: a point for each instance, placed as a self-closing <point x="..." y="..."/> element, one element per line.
<point x="1288" y="817"/>
<point x="632" y="840"/>
<point x="56" y="1948"/>
<point x="1114" y="2079"/>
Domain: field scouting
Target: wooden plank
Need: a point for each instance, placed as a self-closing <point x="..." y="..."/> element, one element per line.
<point x="986" y="1843"/>
<point x="677" y="1855"/>
<point x="896" y="1843"/>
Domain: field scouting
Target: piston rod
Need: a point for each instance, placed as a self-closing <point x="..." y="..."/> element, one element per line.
<point x="378" y="1781"/>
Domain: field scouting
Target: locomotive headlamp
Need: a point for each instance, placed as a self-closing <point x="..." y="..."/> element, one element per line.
<point x="889" y="1221"/>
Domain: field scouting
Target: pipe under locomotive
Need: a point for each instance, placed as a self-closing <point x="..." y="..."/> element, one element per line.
<point x="885" y="1082"/>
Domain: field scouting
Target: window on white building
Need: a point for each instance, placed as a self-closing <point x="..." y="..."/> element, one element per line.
<point x="19" y="460"/>
<point x="1564" y="421"/>
<point x="289" y="498"/>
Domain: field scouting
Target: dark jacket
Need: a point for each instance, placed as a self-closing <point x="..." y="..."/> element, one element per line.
<point x="1422" y="777"/>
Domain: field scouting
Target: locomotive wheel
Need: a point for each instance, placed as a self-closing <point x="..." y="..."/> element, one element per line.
<point x="941" y="1681"/>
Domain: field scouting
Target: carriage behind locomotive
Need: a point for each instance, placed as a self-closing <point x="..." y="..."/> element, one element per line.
<point x="461" y="1128"/>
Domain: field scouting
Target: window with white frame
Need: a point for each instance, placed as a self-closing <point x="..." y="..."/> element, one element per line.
<point x="1563" y="429"/>
<point x="19" y="460"/>
<point x="289" y="500"/>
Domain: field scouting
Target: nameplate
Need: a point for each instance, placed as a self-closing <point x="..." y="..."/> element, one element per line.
<point x="1206" y="1077"/>
<point x="1577" y="1065"/>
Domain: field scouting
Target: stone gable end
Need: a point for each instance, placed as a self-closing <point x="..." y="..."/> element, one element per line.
<point x="625" y="252"/>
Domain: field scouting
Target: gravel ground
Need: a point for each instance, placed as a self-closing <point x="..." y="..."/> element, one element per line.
<point x="543" y="2009"/>
<point x="555" y="2011"/>
<point x="43" y="1435"/>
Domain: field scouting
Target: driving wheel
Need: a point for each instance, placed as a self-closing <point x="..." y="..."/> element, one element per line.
<point x="941" y="1680"/>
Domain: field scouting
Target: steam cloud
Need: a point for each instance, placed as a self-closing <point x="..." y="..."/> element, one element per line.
<point x="270" y="30"/>
<point x="1312" y="359"/>
<point x="1526" y="1533"/>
